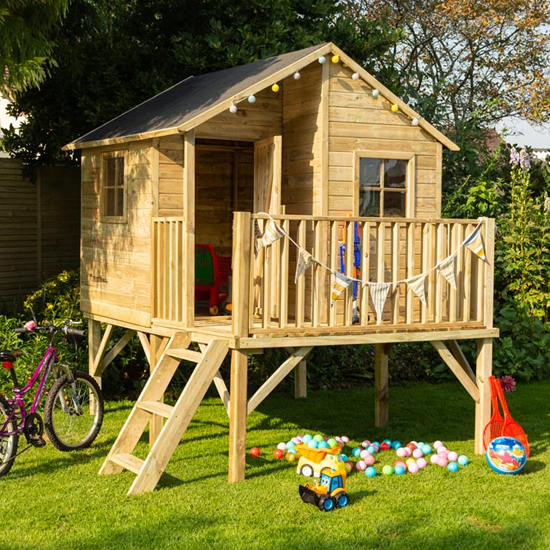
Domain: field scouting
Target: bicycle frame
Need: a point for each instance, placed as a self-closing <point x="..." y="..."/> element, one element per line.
<point x="42" y="372"/>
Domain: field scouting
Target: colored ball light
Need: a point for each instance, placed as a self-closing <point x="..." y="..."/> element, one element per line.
<point x="413" y="468"/>
<point x="278" y="453"/>
<point x="355" y="76"/>
<point x="251" y="99"/>
<point x="387" y="470"/>
<point x="463" y="460"/>
<point x="426" y="449"/>
<point x="452" y="467"/>
<point x="361" y="465"/>
<point x="394" y="108"/>
<point x="290" y="457"/>
<point x="312" y="444"/>
<point x="254" y="451"/>
<point x="369" y="460"/>
<point x="233" y="109"/>
<point x="356" y="452"/>
<point x="415" y="121"/>
<point x="375" y="93"/>
<point x="332" y="443"/>
<point x="297" y="75"/>
<point x="399" y="470"/>
<point x="323" y="445"/>
<point x="370" y="472"/>
<point x="322" y="60"/>
<point x="401" y="452"/>
<point x="318" y="438"/>
<point x="335" y="59"/>
<point x="282" y="446"/>
<point x="275" y="88"/>
<point x="417" y="453"/>
<point x="506" y="455"/>
<point x="452" y="456"/>
<point x="421" y="463"/>
<point x="384" y="446"/>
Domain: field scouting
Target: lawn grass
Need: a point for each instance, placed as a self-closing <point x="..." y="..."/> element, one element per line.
<point x="53" y="500"/>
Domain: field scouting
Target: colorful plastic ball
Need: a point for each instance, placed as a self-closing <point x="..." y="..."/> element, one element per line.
<point x="420" y="444"/>
<point x="344" y="457"/>
<point x="282" y="446"/>
<point x="361" y="465"/>
<point x="251" y="99"/>
<point x="407" y="451"/>
<point x="345" y="439"/>
<point x="290" y="457"/>
<point x="452" y="456"/>
<point x="290" y="444"/>
<point x="254" y="451"/>
<point x="395" y="108"/>
<point x="322" y="445"/>
<point x="356" y="452"/>
<point x="417" y="453"/>
<point x="322" y="60"/>
<point x="410" y="462"/>
<point x="376" y="446"/>
<point x="318" y="438"/>
<point x="442" y="461"/>
<point x="348" y="465"/>
<point x="369" y="460"/>
<point x="411" y="446"/>
<point x="364" y="453"/>
<point x="292" y="450"/>
<point x="452" y="467"/>
<point x="388" y="441"/>
<point x="371" y="449"/>
<point x="332" y="443"/>
<point x="421" y="463"/>
<point x="387" y="470"/>
<point x="275" y="88"/>
<point x="463" y="460"/>
<point x="399" y="463"/>
<point x="401" y="452"/>
<point x="437" y="444"/>
<point x="312" y="444"/>
<point x="434" y="459"/>
<point x="441" y="449"/>
<point x="399" y="470"/>
<point x="370" y="472"/>
<point x="335" y="58"/>
<point x="233" y="109"/>
<point x="426" y="449"/>
<point x="384" y="446"/>
<point x="307" y="438"/>
<point x="413" y="468"/>
<point x="395" y="445"/>
<point x="278" y="453"/>
<point x="365" y="443"/>
<point x="506" y="455"/>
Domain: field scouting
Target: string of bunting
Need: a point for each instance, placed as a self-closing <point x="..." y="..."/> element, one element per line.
<point x="378" y="291"/>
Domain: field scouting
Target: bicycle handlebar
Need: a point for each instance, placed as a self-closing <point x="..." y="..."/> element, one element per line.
<point x="73" y="333"/>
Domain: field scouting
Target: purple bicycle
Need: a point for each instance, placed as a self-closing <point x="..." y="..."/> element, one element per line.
<point x="73" y="412"/>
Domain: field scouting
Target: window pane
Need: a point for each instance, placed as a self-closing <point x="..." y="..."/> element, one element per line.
<point x="119" y="181"/>
<point x="369" y="203"/>
<point x="395" y="173"/>
<point x="394" y="204"/>
<point x="110" y="202"/>
<point x="110" y="173"/>
<point x="369" y="172"/>
<point x="119" y="210"/>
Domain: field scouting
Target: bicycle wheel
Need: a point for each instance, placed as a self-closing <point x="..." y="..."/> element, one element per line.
<point x="8" y="444"/>
<point x="74" y="412"/>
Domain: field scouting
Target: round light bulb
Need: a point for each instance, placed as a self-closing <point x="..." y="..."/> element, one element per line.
<point x="297" y="75"/>
<point x="233" y="109"/>
<point x="322" y="59"/>
<point x="251" y="99"/>
<point x="275" y="88"/>
<point x="335" y="58"/>
<point x="355" y="76"/>
<point x="415" y="121"/>
<point x="375" y="93"/>
<point x="395" y="108"/>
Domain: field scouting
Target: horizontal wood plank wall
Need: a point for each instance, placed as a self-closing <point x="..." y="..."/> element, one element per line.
<point x="116" y="257"/>
<point x="170" y="193"/>
<point x="359" y="122"/>
<point x="252" y="121"/>
<point x="36" y="242"/>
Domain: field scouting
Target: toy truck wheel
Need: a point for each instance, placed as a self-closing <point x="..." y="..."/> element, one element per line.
<point x="307" y="470"/>
<point x="342" y="500"/>
<point x="327" y="505"/>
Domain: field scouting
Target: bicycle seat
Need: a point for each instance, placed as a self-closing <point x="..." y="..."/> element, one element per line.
<point x="10" y="356"/>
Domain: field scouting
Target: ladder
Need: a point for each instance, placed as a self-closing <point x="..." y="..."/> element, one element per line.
<point x="178" y="417"/>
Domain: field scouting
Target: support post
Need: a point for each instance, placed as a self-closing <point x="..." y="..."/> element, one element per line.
<point x="381" y="395"/>
<point x="484" y="369"/>
<point x="237" y="416"/>
<point x="188" y="244"/>
<point x="94" y="341"/>
<point x="300" y="379"/>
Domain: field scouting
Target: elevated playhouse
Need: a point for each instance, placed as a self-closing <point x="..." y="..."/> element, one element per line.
<point x="322" y="190"/>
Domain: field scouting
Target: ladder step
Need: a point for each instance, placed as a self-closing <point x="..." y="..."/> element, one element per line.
<point x="187" y="354"/>
<point x="128" y="461"/>
<point x="155" y="407"/>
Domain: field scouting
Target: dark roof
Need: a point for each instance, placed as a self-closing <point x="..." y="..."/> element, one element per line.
<point x="189" y="98"/>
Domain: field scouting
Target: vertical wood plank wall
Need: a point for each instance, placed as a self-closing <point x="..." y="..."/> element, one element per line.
<point x="39" y="227"/>
<point x="359" y="122"/>
<point x="116" y="257"/>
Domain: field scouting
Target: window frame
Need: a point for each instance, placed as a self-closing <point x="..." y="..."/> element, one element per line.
<point x="410" y="183"/>
<point x="121" y="218"/>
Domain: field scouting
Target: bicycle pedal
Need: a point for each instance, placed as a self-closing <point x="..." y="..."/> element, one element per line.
<point x="38" y="442"/>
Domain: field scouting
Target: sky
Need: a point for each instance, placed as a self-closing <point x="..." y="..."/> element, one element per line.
<point x="519" y="132"/>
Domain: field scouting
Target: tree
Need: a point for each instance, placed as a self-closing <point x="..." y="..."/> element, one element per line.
<point x="114" y="54"/>
<point x="25" y="43"/>
<point x="470" y="61"/>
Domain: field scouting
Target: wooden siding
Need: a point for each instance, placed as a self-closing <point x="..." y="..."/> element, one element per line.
<point x="116" y="257"/>
<point x="39" y="228"/>
<point x="170" y="176"/>
<point x="359" y="122"/>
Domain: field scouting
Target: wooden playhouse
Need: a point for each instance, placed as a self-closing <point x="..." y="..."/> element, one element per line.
<point x="322" y="190"/>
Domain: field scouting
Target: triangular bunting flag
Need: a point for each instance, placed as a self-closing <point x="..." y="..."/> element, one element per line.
<point x="447" y="268"/>
<point x="339" y="284"/>
<point x="475" y="243"/>
<point x="379" y="293"/>
<point x="304" y="260"/>
<point x="271" y="234"/>
<point x="418" y="286"/>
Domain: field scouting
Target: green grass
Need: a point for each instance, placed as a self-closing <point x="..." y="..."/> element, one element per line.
<point x="53" y="500"/>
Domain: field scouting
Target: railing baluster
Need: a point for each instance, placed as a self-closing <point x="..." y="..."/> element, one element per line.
<point x="301" y="283"/>
<point x="395" y="292"/>
<point x="365" y="269"/>
<point x="334" y="265"/>
<point x="283" y="283"/>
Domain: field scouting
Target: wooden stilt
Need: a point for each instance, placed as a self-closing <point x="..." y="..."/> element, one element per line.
<point x="483" y="407"/>
<point x="300" y="379"/>
<point x="237" y="416"/>
<point x="94" y="342"/>
<point x="381" y="395"/>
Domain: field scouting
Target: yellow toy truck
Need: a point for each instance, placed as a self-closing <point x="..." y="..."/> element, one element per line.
<point x="315" y="461"/>
<point x="328" y="494"/>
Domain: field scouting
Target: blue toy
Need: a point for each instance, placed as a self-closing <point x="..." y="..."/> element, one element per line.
<point x="506" y="455"/>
